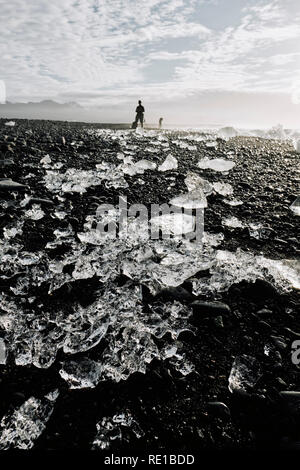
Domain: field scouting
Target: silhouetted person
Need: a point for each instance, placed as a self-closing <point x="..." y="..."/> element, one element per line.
<point x="140" y="114"/>
<point x="160" y="122"/>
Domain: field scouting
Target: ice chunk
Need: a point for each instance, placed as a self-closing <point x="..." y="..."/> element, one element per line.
<point x="114" y="430"/>
<point x="12" y="232"/>
<point x="191" y="200"/>
<point x="217" y="164"/>
<point x="177" y="263"/>
<point x="130" y="346"/>
<point x="212" y="239"/>
<point x="232" y="222"/>
<point x="212" y="144"/>
<point x="20" y="429"/>
<point x="170" y="163"/>
<point x="286" y="269"/>
<point x="35" y="213"/>
<point x="78" y="181"/>
<point x="184" y="145"/>
<point x="227" y="132"/>
<point x="295" y="207"/>
<point x="46" y="160"/>
<point x="233" y="202"/>
<point x="10" y="123"/>
<point x="60" y="214"/>
<point x="27" y="259"/>
<point x="83" y="373"/>
<point x="143" y="165"/>
<point x="64" y="233"/>
<point x="139" y="167"/>
<point x="277" y="132"/>
<point x="244" y="374"/>
<point x="225" y="189"/>
<point x="194" y="182"/>
<point x="175" y="224"/>
<point x="3" y="352"/>
<point x="297" y="145"/>
<point x="233" y="267"/>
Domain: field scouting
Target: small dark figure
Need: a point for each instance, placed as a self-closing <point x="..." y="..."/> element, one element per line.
<point x="139" y="114"/>
<point x="160" y="122"/>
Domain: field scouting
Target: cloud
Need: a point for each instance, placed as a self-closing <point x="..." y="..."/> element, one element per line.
<point x="238" y="58"/>
<point x="295" y="92"/>
<point x="48" y="47"/>
<point x="101" y="52"/>
<point x="2" y="92"/>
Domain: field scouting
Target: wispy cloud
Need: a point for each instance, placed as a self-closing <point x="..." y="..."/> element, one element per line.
<point x="96" y="51"/>
<point x="240" y="58"/>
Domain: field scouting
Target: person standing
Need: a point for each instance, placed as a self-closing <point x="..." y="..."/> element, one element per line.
<point x="140" y="114"/>
<point x="160" y="122"/>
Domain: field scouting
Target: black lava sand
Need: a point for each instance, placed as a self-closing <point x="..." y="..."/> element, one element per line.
<point x="173" y="411"/>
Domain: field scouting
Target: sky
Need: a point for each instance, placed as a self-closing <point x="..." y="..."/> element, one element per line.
<point x="193" y="62"/>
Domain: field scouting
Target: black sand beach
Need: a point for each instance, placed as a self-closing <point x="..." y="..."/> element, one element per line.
<point x="257" y="316"/>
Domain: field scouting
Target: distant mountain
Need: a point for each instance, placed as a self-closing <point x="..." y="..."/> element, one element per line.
<point x="46" y="109"/>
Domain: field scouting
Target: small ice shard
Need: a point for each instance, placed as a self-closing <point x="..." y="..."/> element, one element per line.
<point x="56" y="266"/>
<point x="83" y="373"/>
<point x="225" y="189"/>
<point x="184" y="367"/>
<point x="150" y="150"/>
<point x="184" y="145"/>
<point x="35" y="213"/>
<point x="60" y="214"/>
<point x="46" y="160"/>
<point x="64" y="233"/>
<point x="217" y="164"/>
<point x="58" y="165"/>
<point x="212" y="239"/>
<point x="13" y="231"/>
<point x="113" y="430"/>
<point x="10" y="123"/>
<point x="3" y="352"/>
<point x="21" y="428"/>
<point x="192" y="200"/>
<point x="175" y="224"/>
<point x="233" y="202"/>
<point x="244" y="375"/>
<point x="25" y="201"/>
<point x="74" y="180"/>
<point x="295" y="207"/>
<point x="230" y="154"/>
<point x="194" y="181"/>
<point x="28" y="259"/>
<point x="297" y="145"/>
<point x="139" y="167"/>
<point x="232" y="222"/>
<point x="212" y="144"/>
<point x="170" y="163"/>
<point x="143" y="165"/>
<point x="227" y="132"/>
